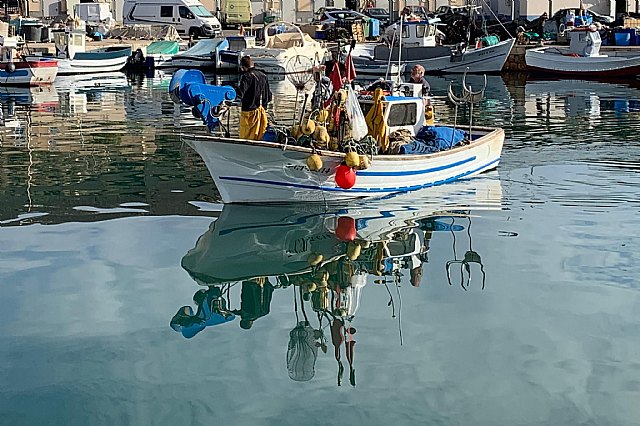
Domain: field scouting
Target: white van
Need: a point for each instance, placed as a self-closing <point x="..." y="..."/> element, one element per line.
<point x="190" y="17"/>
<point x="234" y="12"/>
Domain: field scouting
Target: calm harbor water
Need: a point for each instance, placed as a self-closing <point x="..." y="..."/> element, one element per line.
<point x="112" y="237"/>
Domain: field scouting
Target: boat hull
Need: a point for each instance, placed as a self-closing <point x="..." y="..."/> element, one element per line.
<point x="552" y="60"/>
<point x="95" y="62"/>
<point x="440" y="59"/>
<point x="29" y="73"/>
<point x="281" y="175"/>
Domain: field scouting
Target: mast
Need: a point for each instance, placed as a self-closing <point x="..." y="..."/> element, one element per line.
<point x="399" y="80"/>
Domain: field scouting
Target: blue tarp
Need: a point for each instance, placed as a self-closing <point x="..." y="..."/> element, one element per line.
<point x="433" y="139"/>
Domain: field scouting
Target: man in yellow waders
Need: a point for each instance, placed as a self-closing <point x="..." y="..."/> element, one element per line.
<point x="255" y="94"/>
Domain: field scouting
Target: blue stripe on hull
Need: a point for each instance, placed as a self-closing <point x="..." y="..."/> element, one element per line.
<point x="416" y="172"/>
<point x="360" y="190"/>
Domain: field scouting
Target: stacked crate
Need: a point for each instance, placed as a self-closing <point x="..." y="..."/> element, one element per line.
<point x="631" y="23"/>
<point x="357" y="31"/>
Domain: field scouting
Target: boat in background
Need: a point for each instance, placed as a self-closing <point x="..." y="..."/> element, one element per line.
<point x="158" y="54"/>
<point x="582" y="58"/>
<point x="419" y="47"/>
<point x="282" y="41"/>
<point x="204" y="55"/>
<point x="73" y="59"/>
<point x="26" y="71"/>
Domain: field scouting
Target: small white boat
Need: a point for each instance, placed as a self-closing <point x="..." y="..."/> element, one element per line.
<point x="247" y="171"/>
<point x="32" y="71"/>
<point x="73" y="59"/>
<point x="283" y="41"/>
<point x="205" y="55"/>
<point x="583" y="58"/>
<point x="419" y="47"/>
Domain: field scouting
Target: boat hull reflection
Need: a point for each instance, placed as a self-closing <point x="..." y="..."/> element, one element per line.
<point x="250" y="241"/>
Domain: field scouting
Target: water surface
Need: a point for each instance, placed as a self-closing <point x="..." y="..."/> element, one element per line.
<point x="111" y="227"/>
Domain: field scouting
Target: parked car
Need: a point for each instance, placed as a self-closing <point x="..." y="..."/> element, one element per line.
<point x="560" y="16"/>
<point x="378" y="13"/>
<point x="330" y="17"/>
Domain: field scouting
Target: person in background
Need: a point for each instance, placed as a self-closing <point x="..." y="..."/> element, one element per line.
<point x="255" y="94"/>
<point x="417" y="77"/>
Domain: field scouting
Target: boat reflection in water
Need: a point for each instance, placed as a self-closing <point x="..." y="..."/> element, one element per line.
<point x="325" y="256"/>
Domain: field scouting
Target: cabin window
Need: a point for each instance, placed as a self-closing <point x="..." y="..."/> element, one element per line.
<point x="405" y="31"/>
<point x="166" y="11"/>
<point x="185" y="12"/>
<point x="404" y="114"/>
<point x="432" y="30"/>
<point x="420" y="30"/>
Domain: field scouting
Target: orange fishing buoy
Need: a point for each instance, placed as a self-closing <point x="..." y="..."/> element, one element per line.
<point x="345" y="176"/>
<point x="346" y="228"/>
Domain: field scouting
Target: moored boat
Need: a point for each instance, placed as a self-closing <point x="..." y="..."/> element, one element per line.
<point x="282" y="41"/>
<point x="24" y="71"/>
<point x="247" y="171"/>
<point x="73" y="59"/>
<point x="414" y="43"/>
<point x="583" y="58"/>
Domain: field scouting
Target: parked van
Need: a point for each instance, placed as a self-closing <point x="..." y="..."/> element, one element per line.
<point x="189" y="17"/>
<point x="234" y="12"/>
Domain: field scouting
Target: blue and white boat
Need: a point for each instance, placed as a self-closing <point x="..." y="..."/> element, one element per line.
<point x="248" y="171"/>
<point x="73" y="59"/>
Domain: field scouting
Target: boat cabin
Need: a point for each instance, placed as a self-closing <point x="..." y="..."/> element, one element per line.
<point x="8" y="47"/>
<point x="415" y="33"/>
<point x="585" y="41"/>
<point x="418" y="42"/>
<point x="403" y="109"/>
<point x="68" y="43"/>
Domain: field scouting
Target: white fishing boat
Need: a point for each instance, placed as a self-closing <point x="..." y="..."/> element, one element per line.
<point x="16" y="71"/>
<point x="582" y="58"/>
<point x="73" y="59"/>
<point x="282" y="41"/>
<point x="247" y="171"/>
<point x="415" y="44"/>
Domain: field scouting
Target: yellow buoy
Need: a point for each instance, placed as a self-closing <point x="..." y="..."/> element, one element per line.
<point x="295" y="131"/>
<point x="323" y="115"/>
<point x="308" y="127"/>
<point x="352" y="159"/>
<point x="314" y="162"/>
<point x="365" y="163"/>
<point x="321" y="135"/>
<point x="353" y="250"/>
<point x="314" y="258"/>
<point x="428" y="115"/>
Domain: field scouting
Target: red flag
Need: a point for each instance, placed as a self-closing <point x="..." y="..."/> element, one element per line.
<point x="335" y="77"/>
<point x="350" y="72"/>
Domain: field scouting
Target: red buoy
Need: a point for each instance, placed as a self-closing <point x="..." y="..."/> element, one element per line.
<point x="346" y="228"/>
<point x="345" y="176"/>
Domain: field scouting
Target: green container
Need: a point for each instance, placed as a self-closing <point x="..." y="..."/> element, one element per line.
<point x="270" y="19"/>
<point x="490" y="41"/>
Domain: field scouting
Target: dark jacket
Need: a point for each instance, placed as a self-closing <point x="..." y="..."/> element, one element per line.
<point x="253" y="90"/>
